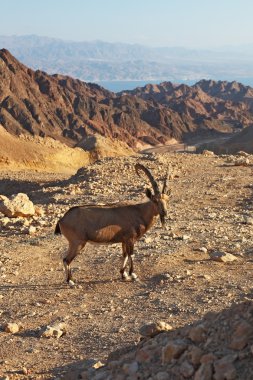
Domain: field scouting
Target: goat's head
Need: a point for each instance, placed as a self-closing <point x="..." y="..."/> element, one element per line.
<point x="159" y="198"/>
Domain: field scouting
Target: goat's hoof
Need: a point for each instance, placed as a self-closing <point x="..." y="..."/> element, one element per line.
<point x="71" y="283"/>
<point x="134" y="277"/>
<point x="126" y="278"/>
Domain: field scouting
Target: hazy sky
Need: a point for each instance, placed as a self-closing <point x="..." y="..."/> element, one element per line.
<point x="189" y="23"/>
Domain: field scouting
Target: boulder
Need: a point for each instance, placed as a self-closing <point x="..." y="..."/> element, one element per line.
<point x="56" y="330"/>
<point x="12" y="328"/>
<point x="173" y="350"/>
<point x="223" y="257"/>
<point x="152" y="329"/>
<point x="17" y="205"/>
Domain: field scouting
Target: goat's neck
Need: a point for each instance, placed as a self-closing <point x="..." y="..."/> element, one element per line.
<point x="150" y="211"/>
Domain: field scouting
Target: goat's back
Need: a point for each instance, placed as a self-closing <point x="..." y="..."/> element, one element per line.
<point x="104" y="224"/>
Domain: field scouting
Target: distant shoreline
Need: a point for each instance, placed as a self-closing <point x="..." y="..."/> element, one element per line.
<point x="124" y="85"/>
<point x="128" y="84"/>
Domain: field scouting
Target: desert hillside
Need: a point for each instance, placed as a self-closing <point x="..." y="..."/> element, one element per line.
<point x="41" y="154"/>
<point x="195" y="276"/>
<point x="242" y="141"/>
<point x="25" y="152"/>
<point x="69" y="110"/>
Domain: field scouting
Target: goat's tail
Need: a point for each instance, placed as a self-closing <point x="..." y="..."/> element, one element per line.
<point x="57" y="230"/>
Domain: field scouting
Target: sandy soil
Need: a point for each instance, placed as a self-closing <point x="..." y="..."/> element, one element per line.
<point x="178" y="283"/>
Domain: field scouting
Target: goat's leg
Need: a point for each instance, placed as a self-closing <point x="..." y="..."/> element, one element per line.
<point x="131" y="269"/>
<point x="72" y="252"/>
<point x="130" y="252"/>
<point x="123" y="272"/>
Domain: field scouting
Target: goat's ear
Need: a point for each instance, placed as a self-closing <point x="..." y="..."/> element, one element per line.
<point x="149" y="193"/>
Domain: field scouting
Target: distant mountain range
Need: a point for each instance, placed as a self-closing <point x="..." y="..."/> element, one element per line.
<point x="69" y="110"/>
<point x="101" y="61"/>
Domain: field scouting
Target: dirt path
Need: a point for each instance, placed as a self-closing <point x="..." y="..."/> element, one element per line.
<point x="178" y="281"/>
<point x="187" y="147"/>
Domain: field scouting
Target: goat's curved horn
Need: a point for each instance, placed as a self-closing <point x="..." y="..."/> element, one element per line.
<point x="149" y="175"/>
<point x="165" y="182"/>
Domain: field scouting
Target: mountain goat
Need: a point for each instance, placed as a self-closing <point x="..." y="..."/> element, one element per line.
<point x="113" y="224"/>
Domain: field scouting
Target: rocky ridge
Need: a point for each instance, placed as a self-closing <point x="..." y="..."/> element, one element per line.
<point x="227" y="104"/>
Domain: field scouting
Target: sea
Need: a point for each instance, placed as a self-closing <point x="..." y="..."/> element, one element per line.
<point x="121" y="85"/>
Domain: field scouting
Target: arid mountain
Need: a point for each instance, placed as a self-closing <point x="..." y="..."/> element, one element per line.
<point x="221" y="106"/>
<point x="55" y="106"/>
<point x="70" y="110"/>
<point x="233" y="91"/>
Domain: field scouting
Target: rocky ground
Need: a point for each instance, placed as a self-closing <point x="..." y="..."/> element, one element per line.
<point x="180" y="279"/>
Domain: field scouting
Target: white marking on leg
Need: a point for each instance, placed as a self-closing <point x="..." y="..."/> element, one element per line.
<point x="66" y="267"/>
<point x="125" y="260"/>
<point x="124" y="263"/>
<point x="134" y="276"/>
<point x="125" y="276"/>
<point x="124" y="273"/>
<point x="71" y="283"/>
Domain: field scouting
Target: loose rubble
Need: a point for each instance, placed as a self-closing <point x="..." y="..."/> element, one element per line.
<point x="217" y="347"/>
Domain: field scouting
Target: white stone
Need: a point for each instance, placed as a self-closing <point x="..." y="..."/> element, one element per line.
<point x="152" y="329"/>
<point x="12" y="328"/>
<point x="31" y="230"/>
<point x="222" y="257"/>
<point x="56" y="330"/>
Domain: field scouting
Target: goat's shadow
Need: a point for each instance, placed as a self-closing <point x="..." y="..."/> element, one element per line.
<point x="34" y="189"/>
<point x="247" y="201"/>
<point x="33" y="287"/>
<point x="79" y="284"/>
<point x="91" y="283"/>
